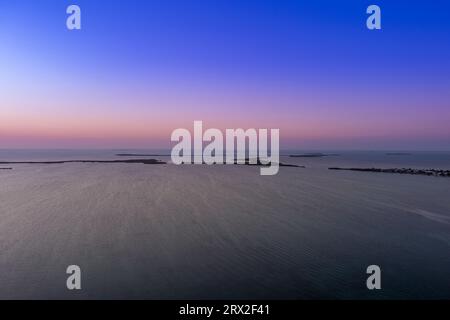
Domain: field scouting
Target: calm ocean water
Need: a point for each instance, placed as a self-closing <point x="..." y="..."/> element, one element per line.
<point x="193" y="232"/>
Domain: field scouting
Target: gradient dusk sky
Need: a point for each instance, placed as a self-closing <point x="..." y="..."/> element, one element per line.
<point x="139" y="69"/>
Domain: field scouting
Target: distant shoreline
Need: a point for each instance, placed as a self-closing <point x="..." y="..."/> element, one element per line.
<point x="143" y="161"/>
<point x="313" y="155"/>
<point x="426" y="172"/>
<point x="141" y="155"/>
<point x="258" y="163"/>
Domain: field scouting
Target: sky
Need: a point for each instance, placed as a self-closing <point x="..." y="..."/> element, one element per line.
<point x="139" y="69"/>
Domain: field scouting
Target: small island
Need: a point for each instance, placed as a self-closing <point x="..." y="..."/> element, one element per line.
<point x="141" y="155"/>
<point x="312" y="155"/>
<point x="426" y="172"/>
<point x="248" y="163"/>
<point x="143" y="161"/>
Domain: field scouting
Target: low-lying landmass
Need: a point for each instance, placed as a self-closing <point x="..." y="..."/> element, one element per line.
<point x="398" y="154"/>
<point x="247" y="162"/>
<point x="5" y="168"/>
<point x="312" y="155"/>
<point x="426" y="172"/>
<point x="141" y="155"/>
<point x="144" y="161"/>
<point x="258" y="163"/>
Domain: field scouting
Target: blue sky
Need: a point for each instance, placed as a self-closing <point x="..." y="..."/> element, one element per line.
<point x="310" y="68"/>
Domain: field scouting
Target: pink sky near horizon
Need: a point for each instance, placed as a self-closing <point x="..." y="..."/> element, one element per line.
<point x="43" y="108"/>
<point x="52" y="111"/>
<point x="51" y="115"/>
<point x="53" y="130"/>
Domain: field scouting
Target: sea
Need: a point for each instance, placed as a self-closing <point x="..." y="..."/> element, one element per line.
<point x="147" y="231"/>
